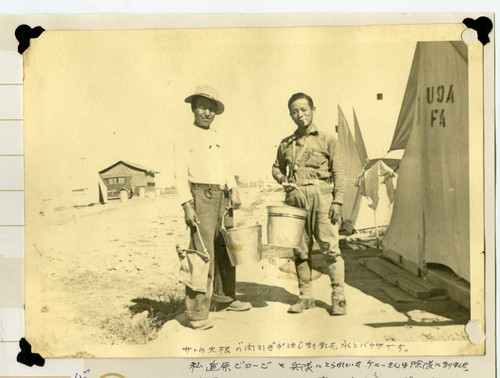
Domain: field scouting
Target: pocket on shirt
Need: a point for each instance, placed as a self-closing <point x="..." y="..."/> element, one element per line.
<point x="316" y="160"/>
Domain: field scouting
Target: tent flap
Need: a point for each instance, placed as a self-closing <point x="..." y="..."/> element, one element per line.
<point x="407" y="113"/>
<point x="353" y="167"/>
<point x="430" y="223"/>
<point x="358" y="139"/>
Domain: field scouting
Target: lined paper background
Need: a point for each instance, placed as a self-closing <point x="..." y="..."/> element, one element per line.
<point x="11" y="220"/>
<point x="12" y="227"/>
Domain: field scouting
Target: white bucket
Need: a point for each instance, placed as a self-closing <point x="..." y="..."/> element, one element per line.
<point x="285" y="225"/>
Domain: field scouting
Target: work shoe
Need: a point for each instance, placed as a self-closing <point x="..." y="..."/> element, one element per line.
<point x="237" y="306"/>
<point x="200" y="324"/>
<point x="230" y="306"/>
<point x="339" y="307"/>
<point x="301" y="305"/>
<point x="338" y="301"/>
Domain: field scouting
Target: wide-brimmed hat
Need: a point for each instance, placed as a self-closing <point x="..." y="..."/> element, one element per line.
<point x="207" y="92"/>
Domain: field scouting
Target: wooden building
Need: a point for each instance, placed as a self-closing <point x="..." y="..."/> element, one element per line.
<point x="131" y="177"/>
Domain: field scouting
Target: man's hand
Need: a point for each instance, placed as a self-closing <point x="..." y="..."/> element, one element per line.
<point x="235" y="198"/>
<point x="190" y="215"/>
<point x="335" y="213"/>
<point x="284" y="180"/>
<point x="287" y="185"/>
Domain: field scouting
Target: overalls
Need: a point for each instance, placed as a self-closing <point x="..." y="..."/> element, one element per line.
<point x="210" y="203"/>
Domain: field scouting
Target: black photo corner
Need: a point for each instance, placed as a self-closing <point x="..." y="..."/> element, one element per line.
<point x="26" y="357"/>
<point x="482" y="26"/>
<point x="24" y="33"/>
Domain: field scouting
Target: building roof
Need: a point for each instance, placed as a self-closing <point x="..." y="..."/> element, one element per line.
<point x="130" y="165"/>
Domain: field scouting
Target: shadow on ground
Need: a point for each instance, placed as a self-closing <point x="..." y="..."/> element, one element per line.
<point x="438" y="312"/>
<point x="258" y="295"/>
<point x="360" y="277"/>
<point x="158" y="311"/>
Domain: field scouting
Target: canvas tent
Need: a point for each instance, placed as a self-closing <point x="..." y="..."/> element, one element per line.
<point x="353" y="166"/>
<point x="430" y="221"/>
<point x="90" y="189"/>
<point x="83" y="187"/>
<point x="377" y="190"/>
<point x="364" y="207"/>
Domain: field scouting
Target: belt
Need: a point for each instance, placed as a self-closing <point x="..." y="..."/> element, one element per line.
<point x="196" y="185"/>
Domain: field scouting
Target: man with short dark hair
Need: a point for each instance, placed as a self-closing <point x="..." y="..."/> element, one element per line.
<point x="206" y="187"/>
<point x="307" y="164"/>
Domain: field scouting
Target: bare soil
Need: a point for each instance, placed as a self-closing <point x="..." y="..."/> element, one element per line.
<point x="109" y="288"/>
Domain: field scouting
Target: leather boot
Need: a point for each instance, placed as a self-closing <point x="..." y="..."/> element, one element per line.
<point x="301" y="305"/>
<point x="338" y="300"/>
<point x="304" y="275"/>
<point x="336" y="271"/>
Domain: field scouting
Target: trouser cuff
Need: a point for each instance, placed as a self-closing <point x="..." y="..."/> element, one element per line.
<point x="197" y="315"/>
<point x="223" y="298"/>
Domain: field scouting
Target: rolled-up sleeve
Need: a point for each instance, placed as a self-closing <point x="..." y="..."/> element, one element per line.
<point x="337" y="169"/>
<point x="181" y="172"/>
<point x="279" y="166"/>
<point x="230" y="174"/>
<point x="229" y="161"/>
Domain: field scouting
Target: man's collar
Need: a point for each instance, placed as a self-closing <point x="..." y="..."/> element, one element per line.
<point x="311" y="130"/>
<point x="210" y="128"/>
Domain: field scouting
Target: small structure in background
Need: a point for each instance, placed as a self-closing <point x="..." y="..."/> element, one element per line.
<point x="89" y="191"/>
<point x="131" y="178"/>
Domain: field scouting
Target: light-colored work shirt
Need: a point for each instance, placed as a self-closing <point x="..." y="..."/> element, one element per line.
<point x="200" y="157"/>
<point x="318" y="159"/>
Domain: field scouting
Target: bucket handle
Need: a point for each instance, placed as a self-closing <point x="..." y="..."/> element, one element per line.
<point x="228" y="209"/>
<point x="199" y="237"/>
<point x="294" y="186"/>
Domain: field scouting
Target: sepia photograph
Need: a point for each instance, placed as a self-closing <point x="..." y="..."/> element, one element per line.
<point x="265" y="191"/>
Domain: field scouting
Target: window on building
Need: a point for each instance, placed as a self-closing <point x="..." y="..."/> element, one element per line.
<point x="121" y="180"/>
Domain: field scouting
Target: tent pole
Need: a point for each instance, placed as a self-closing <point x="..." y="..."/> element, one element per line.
<point x="376" y="228"/>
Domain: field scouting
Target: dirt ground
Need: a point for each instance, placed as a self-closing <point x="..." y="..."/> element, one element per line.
<point x="109" y="288"/>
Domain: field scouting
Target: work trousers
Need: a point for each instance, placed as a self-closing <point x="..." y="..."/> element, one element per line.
<point x="210" y="205"/>
<point x="318" y="199"/>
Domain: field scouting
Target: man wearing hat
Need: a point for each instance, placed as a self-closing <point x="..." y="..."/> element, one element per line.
<point x="206" y="187"/>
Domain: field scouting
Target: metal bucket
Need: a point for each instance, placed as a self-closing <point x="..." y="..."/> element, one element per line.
<point x="243" y="244"/>
<point x="285" y="225"/>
